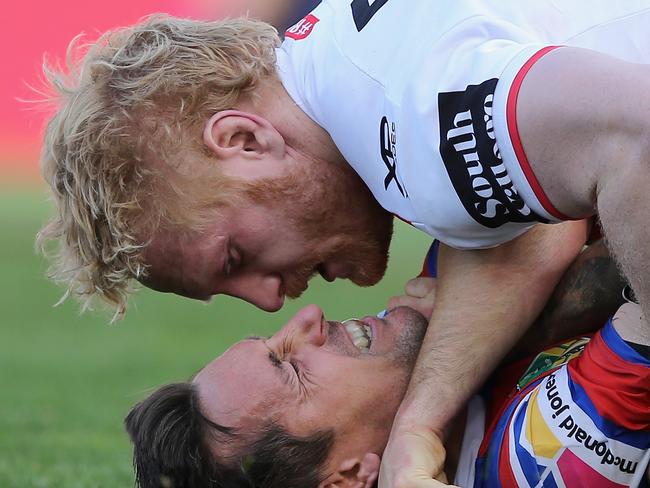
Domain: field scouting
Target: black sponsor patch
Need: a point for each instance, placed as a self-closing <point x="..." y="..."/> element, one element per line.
<point x="469" y="150"/>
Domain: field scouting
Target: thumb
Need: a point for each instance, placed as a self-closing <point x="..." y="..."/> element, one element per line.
<point x="420" y="287"/>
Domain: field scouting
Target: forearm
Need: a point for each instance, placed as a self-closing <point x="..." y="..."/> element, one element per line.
<point x="485" y="301"/>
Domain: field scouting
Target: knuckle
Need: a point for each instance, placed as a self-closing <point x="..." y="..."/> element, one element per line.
<point x="420" y="287"/>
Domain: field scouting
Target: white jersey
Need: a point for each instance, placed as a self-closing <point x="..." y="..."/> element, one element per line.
<point x="420" y="98"/>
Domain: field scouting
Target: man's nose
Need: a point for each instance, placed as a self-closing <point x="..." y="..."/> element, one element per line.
<point x="263" y="291"/>
<point x="308" y="326"/>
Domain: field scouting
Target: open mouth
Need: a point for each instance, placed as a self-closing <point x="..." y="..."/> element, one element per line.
<point x="360" y="334"/>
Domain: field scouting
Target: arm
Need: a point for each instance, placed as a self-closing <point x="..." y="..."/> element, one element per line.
<point x="586" y="296"/>
<point x="478" y="317"/>
<point x="584" y="125"/>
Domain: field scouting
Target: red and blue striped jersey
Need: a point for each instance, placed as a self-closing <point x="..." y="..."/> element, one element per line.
<point x="578" y="416"/>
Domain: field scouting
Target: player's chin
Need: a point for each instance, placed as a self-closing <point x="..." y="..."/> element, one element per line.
<point x="365" y="281"/>
<point x="406" y="316"/>
<point x="371" y="271"/>
<point x="406" y="329"/>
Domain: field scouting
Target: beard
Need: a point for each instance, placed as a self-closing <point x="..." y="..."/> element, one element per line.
<point x="332" y="203"/>
<point x="408" y="343"/>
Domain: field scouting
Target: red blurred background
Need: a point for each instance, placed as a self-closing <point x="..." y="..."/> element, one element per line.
<point x="30" y="29"/>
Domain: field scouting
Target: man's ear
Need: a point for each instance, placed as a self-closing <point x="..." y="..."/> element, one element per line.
<point x="233" y="132"/>
<point x="355" y="473"/>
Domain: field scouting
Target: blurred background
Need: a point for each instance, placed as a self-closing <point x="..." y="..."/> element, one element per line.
<point x="66" y="380"/>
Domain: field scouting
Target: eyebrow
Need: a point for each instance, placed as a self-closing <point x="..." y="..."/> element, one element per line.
<point x="276" y="362"/>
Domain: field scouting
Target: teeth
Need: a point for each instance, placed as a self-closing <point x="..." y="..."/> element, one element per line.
<point x="360" y="333"/>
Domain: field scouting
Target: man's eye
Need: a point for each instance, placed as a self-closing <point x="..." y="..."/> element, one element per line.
<point x="295" y="366"/>
<point x="286" y="349"/>
<point x="275" y="359"/>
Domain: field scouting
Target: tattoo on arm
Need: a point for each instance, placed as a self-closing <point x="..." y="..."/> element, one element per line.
<point x="586" y="296"/>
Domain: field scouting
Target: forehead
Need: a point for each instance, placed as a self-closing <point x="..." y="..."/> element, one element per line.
<point x="242" y="386"/>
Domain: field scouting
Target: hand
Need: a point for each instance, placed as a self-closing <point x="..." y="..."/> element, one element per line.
<point x="414" y="458"/>
<point x="419" y="293"/>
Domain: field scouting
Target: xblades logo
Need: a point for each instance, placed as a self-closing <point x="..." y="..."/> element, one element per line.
<point x="388" y="149"/>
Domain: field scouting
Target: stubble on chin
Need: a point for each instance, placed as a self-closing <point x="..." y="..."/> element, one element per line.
<point x="408" y="343"/>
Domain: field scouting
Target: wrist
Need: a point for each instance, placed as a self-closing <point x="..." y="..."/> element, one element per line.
<point x="412" y="421"/>
<point x="418" y="416"/>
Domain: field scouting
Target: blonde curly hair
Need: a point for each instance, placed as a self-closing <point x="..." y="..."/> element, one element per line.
<point x="111" y="153"/>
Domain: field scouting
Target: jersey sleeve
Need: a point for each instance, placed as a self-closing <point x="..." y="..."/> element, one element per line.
<point x="587" y="423"/>
<point x="430" y="265"/>
<point x="615" y="379"/>
<point x="473" y="99"/>
<point x="508" y="138"/>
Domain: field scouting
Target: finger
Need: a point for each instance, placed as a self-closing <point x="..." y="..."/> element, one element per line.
<point x="442" y="480"/>
<point x="420" y="287"/>
<point x="442" y="477"/>
<point x="400" y="301"/>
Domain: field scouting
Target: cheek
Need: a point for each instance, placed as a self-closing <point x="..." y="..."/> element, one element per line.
<point x="362" y="393"/>
<point x="280" y="247"/>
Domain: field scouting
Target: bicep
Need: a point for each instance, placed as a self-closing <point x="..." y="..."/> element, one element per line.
<point x="577" y="111"/>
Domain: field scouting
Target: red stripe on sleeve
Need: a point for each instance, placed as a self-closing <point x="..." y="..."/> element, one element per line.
<point x="619" y="389"/>
<point x="513" y="130"/>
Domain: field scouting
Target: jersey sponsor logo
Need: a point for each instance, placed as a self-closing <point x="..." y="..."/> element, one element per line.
<point x="472" y="158"/>
<point x="551" y="359"/>
<point x="303" y="28"/>
<point x="388" y="150"/>
<point x="582" y="434"/>
<point x="549" y="440"/>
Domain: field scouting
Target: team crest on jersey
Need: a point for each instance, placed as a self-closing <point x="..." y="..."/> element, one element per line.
<point x="469" y="150"/>
<point x="552" y="358"/>
<point x="303" y="28"/>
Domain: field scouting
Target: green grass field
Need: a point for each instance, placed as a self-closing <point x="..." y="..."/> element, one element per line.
<point x="66" y="381"/>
